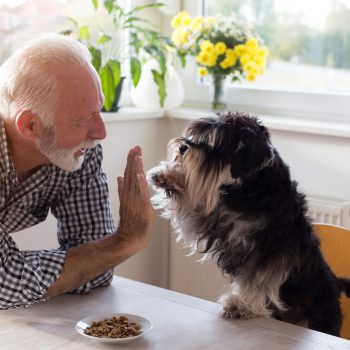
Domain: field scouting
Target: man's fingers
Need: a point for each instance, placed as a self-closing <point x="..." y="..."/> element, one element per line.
<point x="143" y="185"/>
<point x="129" y="163"/>
<point x="138" y="151"/>
<point x="131" y="166"/>
<point x="139" y="165"/>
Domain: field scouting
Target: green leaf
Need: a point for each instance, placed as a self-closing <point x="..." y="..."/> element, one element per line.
<point x="66" y="32"/>
<point x="116" y="70"/>
<point x="108" y="4"/>
<point x="162" y="62"/>
<point x="73" y="21"/>
<point x="108" y="87"/>
<point x="95" y="58"/>
<point x="134" y="19"/>
<point x="135" y="68"/>
<point x="84" y="33"/>
<point x="136" y="43"/>
<point x="95" y="3"/>
<point x="158" y="55"/>
<point x="182" y="57"/>
<point x="103" y="39"/>
<point x="142" y="7"/>
<point x="160" y="81"/>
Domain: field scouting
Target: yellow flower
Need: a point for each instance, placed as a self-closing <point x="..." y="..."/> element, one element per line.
<point x="231" y="60"/>
<point x="245" y="59"/>
<point x="228" y="62"/>
<point x="250" y="76"/>
<point x="200" y="37"/>
<point x="252" y="43"/>
<point x="260" y="61"/>
<point x="240" y="50"/>
<point x="179" y="37"/>
<point x="178" y="19"/>
<point x="197" y="24"/>
<point x="175" y="22"/>
<point x="251" y="68"/>
<point x="207" y="46"/>
<point x="263" y="51"/>
<point x="212" y="59"/>
<point x="202" y="71"/>
<point x="230" y="53"/>
<point x="203" y="58"/>
<point x="186" y="20"/>
<point x="220" y="48"/>
<point x="224" y="64"/>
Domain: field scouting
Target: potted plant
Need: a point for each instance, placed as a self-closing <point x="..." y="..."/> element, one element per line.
<point x="106" y="35"/>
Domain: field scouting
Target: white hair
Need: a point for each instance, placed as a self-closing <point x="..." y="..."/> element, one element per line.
<point x="27" y="77"/>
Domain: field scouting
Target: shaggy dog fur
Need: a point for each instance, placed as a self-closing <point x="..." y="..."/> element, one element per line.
<point x="229" y="194"/>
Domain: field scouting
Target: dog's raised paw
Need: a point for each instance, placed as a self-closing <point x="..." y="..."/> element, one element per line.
<point x="159" y="180"/>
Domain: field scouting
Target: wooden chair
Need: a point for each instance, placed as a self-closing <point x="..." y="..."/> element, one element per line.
<point x="335" y="247"/>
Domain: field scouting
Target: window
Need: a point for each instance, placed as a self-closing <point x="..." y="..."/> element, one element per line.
<point x="309" y="65"/>
<point x="21" y="20"/>
<point x="309" y="41"/>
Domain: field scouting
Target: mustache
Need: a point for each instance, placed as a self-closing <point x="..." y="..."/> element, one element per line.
<point x="90" y="143"/>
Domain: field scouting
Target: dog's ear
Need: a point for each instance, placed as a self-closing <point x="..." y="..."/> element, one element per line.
<point x="252" y="150"/>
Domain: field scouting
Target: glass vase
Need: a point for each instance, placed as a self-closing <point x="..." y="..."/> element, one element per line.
<point x="217" y="92"/>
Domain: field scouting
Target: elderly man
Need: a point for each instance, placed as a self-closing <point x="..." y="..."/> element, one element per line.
<point x="50" y="159"/>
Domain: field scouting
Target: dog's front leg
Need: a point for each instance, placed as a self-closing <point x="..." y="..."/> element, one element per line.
<point x="233" y="307"/>
<point x="244" y="304"/>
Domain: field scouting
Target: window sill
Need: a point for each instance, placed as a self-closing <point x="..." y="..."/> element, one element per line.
<point x="281" y="123"/>
<point x="131" y="113"/>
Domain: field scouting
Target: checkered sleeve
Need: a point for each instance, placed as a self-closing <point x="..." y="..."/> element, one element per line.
<point x="83" y="211"/>
<point x="25" y="276"/>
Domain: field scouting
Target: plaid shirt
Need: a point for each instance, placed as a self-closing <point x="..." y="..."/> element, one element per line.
<point x="80" y="202"/>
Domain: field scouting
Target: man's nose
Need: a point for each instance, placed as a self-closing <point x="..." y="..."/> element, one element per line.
<point x="98" y="129"/>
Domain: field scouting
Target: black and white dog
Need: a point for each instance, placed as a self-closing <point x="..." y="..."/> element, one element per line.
<point x="228" y="193"/>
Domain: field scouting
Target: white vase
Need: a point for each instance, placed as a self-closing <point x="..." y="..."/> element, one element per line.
<point x="145" y="95"/>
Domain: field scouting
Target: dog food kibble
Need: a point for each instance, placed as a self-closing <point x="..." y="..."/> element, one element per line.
<point x="115" y="327"/>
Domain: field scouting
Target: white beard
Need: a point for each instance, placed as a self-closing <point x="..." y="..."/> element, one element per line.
<point x="62" y="157"/>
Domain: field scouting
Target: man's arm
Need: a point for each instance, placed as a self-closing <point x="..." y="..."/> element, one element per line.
<point x="91" y="259"/>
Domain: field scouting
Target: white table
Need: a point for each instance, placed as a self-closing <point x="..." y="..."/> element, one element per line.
<point x="180" y="322"/>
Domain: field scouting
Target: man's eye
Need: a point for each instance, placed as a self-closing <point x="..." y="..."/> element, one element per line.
<point x="183" y="148"/>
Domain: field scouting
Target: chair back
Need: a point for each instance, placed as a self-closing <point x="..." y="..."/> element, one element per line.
<point x="335" y="247"/>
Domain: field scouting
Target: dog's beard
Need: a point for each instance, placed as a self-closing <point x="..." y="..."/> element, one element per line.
<point x="187" y="190"/>
<point x="62" y="157"/>
<point x="189" y="178"/>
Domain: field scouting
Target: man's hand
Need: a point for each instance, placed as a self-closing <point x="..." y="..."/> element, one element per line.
<point x="90" y="259"/>
<point x="136" y="212"/>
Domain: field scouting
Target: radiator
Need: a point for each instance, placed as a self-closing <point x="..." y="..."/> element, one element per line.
<point x="329" y="211"/>
<point x="204" y="280"/>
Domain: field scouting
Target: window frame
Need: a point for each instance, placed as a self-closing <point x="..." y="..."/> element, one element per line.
<point x="327" y="106"/>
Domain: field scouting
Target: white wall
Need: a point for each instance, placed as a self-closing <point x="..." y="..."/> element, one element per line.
<point x="319" y="163"/>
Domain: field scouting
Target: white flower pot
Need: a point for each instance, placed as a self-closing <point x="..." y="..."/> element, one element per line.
<point x="145" y="95"/>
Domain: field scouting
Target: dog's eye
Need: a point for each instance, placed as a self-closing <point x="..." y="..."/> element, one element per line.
<point x="183" y="148"/>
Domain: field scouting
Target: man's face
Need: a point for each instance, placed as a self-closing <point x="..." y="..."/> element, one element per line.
<point x="77" y="123"/>
<point x="68" y="159"/>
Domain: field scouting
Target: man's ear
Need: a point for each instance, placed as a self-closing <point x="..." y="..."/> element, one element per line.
<point x="27" y="124"/>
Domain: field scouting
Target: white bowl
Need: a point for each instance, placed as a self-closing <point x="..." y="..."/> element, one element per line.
<point x="145" y="324"/>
